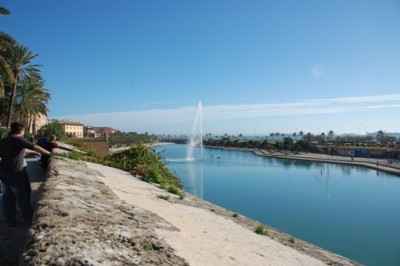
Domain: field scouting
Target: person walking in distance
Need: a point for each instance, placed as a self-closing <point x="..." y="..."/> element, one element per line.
<point x="12" y="174"/>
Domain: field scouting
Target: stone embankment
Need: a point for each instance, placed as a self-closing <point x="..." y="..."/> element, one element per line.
<point x="384" y="165"/>
<point x="379" y="164"/>
<point x="90" y="214"/>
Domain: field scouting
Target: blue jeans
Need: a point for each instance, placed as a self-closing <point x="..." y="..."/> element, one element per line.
<point x="16" y="193"/>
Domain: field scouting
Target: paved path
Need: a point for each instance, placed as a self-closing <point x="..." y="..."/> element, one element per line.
<point x="12" y="239"/>
<point x="377" y="164"/>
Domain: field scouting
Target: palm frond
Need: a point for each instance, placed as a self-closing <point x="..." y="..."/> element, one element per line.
<point x="6" y="39"/>
<point x="4" y="11"/>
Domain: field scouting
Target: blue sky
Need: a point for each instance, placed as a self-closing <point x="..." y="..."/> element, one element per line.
<point x="257" y="66"/>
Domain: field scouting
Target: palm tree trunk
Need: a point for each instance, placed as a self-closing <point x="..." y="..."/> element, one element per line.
<point x="12" y="99"/>
<point x="29" y="122"/>
<point x="34" y="125"/>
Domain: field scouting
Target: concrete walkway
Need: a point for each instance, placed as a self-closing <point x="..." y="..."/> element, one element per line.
<point x="384" y="165"/>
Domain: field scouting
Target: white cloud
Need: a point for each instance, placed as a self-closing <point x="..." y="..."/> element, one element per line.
<point x="181" y="119"/>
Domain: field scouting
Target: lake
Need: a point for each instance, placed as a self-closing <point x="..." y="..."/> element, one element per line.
<point x="349" y="210"/>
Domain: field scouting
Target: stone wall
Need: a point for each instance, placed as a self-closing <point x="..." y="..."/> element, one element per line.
<point x="79" y="221"/>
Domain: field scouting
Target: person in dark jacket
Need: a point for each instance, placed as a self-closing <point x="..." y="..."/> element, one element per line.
<point x="48" y="145"/>
<point x="12" y="174"/>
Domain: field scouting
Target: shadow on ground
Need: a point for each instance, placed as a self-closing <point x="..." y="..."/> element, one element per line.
<point x="12" y="240"/>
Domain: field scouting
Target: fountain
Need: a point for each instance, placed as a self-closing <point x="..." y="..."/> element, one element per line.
<point x="196" y="137"/>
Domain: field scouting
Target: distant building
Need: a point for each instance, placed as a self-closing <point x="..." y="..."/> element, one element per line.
<point x="32" y="125"/>
<point x="72" y="129"/>
<point x="99" y="132"/>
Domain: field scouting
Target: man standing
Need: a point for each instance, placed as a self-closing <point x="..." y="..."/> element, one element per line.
<point x="12" y="174"/>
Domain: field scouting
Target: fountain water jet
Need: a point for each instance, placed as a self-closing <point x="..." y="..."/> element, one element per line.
<point x="196" y="137"/>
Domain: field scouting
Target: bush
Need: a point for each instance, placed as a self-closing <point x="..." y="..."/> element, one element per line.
<point x="261" y="230"/>
<point x="151" y="176"/>
<point x="4" y="132"/>
<point x="139" y="160"/>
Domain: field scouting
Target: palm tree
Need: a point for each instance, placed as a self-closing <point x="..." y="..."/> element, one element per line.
<point x="4" y="11"/>
<point x="330" y="135"/>
<point x="380" y="136"/>
<point x="5" y="42"/>
<point x="31" y="100"/>
<point x="5" y="38"/>
<point x="18" y="60"/>
<point x="323" y="136"/>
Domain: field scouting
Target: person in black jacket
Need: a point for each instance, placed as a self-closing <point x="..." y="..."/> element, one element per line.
<point x="12" y="174"/>
<point x="49" y="146"/>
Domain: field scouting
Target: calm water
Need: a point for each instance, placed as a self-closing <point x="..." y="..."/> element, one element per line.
<point x="351" y="211"/>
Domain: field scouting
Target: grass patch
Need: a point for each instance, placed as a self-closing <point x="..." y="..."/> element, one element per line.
<point x="213" y="210"/>
<point x="261" y="230"/>
<point x="236" y="215"/>
<point x="164" y="197"/>
<point x="128" y="245"/>
<point x="148" y="247"/>
<point x="105" y="192"/>
<point x="291" y="240"/>
<point x="176" y="191"/>
<point x="127" y="211"/>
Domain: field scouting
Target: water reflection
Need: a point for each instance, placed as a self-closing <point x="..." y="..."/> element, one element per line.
<point x="191" y="174"/>
<point x="195" y="178"/>
<point x="322" y="176"/>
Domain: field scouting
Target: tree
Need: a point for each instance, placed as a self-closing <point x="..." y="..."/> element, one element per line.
<point x="4" y="11"/>
<point x="52" y="128"/>
<point x="330" y="135"/>
<point x="380" y="136"/>
<point x="4" y="37"/>
<point x="5" y="42"/>
<point x="31" y="100"/>
<point x="323" y="136"/>
<point x="309" y="137"/>
<point x="288" y="143"/>
<point x="19" y="60"/>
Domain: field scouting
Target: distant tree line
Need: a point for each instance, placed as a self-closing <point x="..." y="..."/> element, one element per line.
<point x="301" y="142"/>
<point x="287" y="144"/>
<point x="120" y="139"/>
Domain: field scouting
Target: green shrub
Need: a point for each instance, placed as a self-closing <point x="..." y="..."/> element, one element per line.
<point x="261" y="230"/>
<point x="138" y="157"/>
<point x="176" y="191"/>
<point x="151" y="176"/>
<point x="148" y="247"/>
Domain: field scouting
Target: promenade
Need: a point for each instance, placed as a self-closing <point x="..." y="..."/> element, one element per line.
<point x="389" y="166"/>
